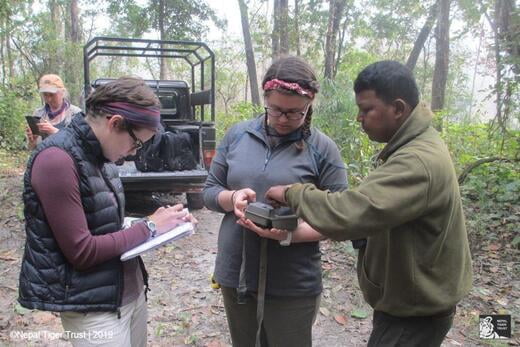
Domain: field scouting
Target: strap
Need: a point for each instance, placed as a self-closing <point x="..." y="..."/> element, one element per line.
<point x="260" y="299"/>
<point x="242" y="287"/>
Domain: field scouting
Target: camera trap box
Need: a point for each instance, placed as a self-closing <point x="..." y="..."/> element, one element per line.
<point x="265" y="216"/>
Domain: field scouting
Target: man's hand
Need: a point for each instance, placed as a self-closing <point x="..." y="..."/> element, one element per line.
<point x="46" y="127"/>
<point x="276" y="195"/>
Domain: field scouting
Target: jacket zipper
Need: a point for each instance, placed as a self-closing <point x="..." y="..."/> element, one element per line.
<point x="267" y="158"/>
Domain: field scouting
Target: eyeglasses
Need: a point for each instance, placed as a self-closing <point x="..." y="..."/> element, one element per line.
<point x="289" y="115"/>
<point x="138" y="144"/>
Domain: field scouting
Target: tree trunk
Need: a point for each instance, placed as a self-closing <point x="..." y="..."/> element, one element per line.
<point x="508" y="25"/>
<point x="335" y="14"/>
<point x="297" y="26"/>
<point x="55" y="59"/>
<point x="2" y="44"/>
<point x="163" y="74"/>
<point x="421" y="38"/>
<point x="442" y="56"/>
<point x="275" y="35"/>
<point x="508" y="56"/>
<point x="477" y="63"/>
<point x="250" y="57"/>
<point x="8" y="49"/>
<point x="340" y="45"/>
<point x="74" y="22"/>
<point x="284" y="27"/>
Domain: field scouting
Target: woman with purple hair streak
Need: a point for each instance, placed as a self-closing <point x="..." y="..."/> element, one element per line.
<point x="271" y="279"/>
<point x="74" y="210"/>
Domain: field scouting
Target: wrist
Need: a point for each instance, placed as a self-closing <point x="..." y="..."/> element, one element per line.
<point x="284" y="195"/>
<point x="233" y="198"/>
<point x="151" y="226"/>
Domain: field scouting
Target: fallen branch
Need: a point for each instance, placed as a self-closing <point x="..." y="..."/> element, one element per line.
<point x="472" y="166"/>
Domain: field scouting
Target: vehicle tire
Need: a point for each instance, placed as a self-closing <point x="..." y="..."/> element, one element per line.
<point x="194" y="201"/>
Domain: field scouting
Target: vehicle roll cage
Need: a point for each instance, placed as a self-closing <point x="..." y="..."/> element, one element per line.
<point x="196" y="54"/>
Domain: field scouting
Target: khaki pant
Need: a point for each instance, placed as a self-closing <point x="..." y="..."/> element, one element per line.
<point x="105" y="328"/>
<point x="287" y="320"/>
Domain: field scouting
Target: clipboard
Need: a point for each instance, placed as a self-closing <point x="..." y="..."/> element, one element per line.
<point x="179" y="232"/>
<point x="33" y="124"/>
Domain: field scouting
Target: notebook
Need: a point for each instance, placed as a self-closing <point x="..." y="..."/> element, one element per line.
<point x="176" y="233"/>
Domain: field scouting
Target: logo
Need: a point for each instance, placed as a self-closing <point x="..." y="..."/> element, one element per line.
<point x="495" y="326"/>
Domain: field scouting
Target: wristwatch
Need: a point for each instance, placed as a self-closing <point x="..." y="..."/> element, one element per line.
<point x="151" y="226"/>
<point x="288" y="240"/>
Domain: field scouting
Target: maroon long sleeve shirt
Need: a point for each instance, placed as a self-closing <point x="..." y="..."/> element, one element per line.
<point x="55" y="180"/>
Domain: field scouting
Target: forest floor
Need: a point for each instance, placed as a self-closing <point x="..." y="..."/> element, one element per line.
<point x="185" y="311"/>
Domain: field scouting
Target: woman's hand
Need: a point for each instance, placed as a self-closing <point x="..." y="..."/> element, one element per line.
<point x="240" y="198"/>
<point x="31" y="138"/>
<point x="274" y="234"/>
<point x="47" y="128"/>
<point x="167" y="218"/>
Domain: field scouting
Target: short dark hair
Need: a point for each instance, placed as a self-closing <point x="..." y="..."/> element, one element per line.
<point x="390" y="80"/>
<point x="129" y="89"/>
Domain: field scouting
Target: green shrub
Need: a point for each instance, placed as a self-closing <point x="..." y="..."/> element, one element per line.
<point x="239" y="112"/>
<point x="335" y="115"/>
<point x="14" y="105"/>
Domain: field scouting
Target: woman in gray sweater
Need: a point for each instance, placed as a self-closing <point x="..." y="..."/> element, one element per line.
<point x="271" y="279"/>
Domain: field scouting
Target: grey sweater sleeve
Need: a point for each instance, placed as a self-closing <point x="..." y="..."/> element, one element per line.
<point x="332" y="171"/>
<point x="217" y="176"/>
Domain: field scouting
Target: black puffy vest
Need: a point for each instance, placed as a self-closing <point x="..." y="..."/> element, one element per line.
<point x="47" y="280"/>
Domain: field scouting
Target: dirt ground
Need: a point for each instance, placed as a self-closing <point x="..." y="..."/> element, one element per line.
<point x="184" y="310"/>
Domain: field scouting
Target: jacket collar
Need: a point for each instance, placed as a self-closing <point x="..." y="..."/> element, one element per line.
<point x="88" y="139"/>
<point x="419" y="120"/>
<point x="256" y="128"/>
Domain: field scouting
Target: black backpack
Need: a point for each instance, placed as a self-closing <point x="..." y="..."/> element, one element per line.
<point x="177" y="151"/>
<point x="168" y="150"/>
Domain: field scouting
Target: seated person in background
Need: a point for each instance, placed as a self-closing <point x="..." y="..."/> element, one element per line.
<point x="57" y="111"/>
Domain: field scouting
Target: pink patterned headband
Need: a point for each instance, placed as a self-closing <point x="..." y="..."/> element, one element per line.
<point x="276" y="84"/>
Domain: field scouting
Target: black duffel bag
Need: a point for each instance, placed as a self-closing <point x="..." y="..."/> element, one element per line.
<point x="167" y="150"/>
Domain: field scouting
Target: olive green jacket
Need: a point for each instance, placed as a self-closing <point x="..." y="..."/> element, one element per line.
<point x="417" y="260"/>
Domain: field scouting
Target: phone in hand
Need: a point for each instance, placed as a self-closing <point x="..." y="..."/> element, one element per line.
<point x="33" y="124"/>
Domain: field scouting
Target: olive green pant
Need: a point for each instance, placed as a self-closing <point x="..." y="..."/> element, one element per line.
<point x="389" y="331"/>
<point x="287" y="320"/>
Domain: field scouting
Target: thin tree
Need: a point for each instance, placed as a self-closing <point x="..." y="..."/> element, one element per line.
<point x="250" y="57"/>
<point x="275" y="35"/>
<point x="283" y="27"/>
<point x="341" y="44"/>
<point x="336" y="8"/>
<point x="75" y="34"/>
<point x="162" y="30"/>
<point x="55" y="60"/>
<point x="442" y="56"/>
<point x="423" y="35"/>
<point x="504" y="42"/>
<point x="297" y="26"/>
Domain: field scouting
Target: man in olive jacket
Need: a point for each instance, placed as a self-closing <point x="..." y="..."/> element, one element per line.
<point x="416" y="265"/>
